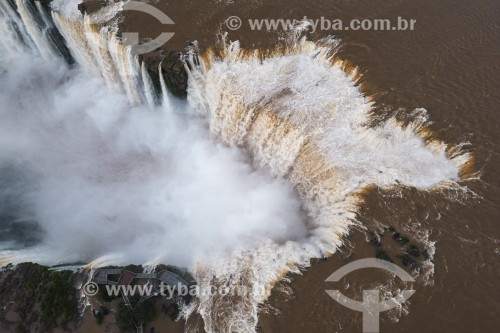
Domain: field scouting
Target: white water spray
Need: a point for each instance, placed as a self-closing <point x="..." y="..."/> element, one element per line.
<point x="113" y="181"/>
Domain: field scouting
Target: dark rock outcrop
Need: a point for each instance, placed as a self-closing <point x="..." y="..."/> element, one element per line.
<point x="173" y="70"/>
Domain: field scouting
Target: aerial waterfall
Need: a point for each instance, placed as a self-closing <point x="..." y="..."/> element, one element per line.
<point x="284" y="166"/>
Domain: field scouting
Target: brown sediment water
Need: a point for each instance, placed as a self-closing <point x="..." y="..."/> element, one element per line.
<point x="447" y="65"/>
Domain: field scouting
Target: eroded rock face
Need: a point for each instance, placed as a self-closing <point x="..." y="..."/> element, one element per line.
<point x="91" y="6"/>
<point x="45" y="2"/>
<point x="173" y="71"/>
<point x="82" y="8"/>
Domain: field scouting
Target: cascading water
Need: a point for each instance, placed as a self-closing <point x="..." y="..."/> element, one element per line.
<point x="16" y="37"/>
<point x="150" y="176"/>
<point x="35" y="29"/>
<point x="99" y="52"/>
<point x="302" y="117"/>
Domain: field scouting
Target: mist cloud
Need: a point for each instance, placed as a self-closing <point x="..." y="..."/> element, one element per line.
<point x="100" y="177"/>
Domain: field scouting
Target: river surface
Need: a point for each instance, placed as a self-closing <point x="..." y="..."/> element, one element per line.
<point x="449" y="66"/>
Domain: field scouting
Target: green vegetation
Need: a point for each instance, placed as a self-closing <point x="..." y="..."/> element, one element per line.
<point x="144" y="311"/>
<point x="183" y="273"/>
<point x="53" y="291"/>
<point x="410" y="254"/>
<point x="103" y="296"/>
<point x="400" y="239"/>
<point x="141" y="313"/>
<point x="58" y="300"/>
<point x="172" y="311"/>
<point x="124" y="318"/>
<point x="47" y="299"/>
<point x="381" y="254"/>
<point x="413" y="251"/>
<point x="131" y="268"/>
<point x="100" y="314"/>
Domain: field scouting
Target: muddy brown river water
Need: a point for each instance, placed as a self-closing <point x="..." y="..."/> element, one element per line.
<point x="449" y="65"/>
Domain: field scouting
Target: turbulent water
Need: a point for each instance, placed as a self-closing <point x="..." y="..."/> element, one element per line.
<point x="263" y="168"/>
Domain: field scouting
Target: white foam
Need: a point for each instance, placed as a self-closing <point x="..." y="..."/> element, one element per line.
<point x="302" y="117"/>
<point x="37" y="35"/>
<point x="114" y="181"/>
<point x="106" y="177"/>
<point x="69" y="8"/>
